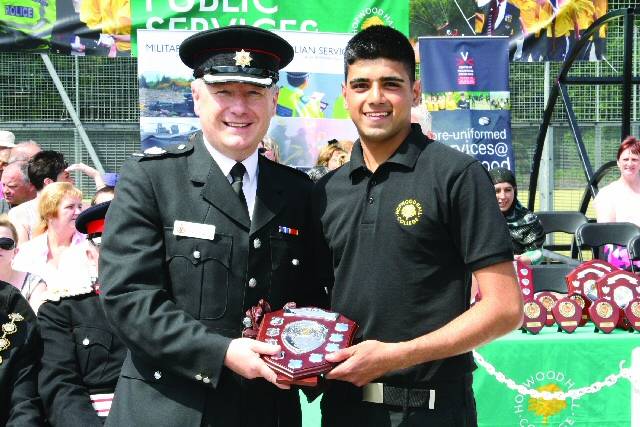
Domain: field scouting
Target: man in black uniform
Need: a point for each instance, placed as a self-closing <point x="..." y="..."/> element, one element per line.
<point x="405" y="224"/>
<point x="196" y="236"/>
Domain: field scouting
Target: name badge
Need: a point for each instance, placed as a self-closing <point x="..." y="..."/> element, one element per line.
<point x="194" y="229"/>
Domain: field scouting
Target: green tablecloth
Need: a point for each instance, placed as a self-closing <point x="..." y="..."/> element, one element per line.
<point x="553" y="361"/>
<point x="549" y="361"/>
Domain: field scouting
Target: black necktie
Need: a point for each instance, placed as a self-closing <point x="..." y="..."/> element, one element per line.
<point x="237" y="175"/>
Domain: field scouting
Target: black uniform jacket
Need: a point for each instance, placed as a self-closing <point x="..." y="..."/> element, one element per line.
<point x="81" y="357"/>
<point x="177" y="301"/>
<point x="19" y="401"/>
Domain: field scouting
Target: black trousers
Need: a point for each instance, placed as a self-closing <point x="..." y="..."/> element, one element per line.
<point x="455" y="406"/>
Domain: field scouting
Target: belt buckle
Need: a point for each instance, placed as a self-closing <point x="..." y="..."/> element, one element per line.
<point x="373" y="392"/>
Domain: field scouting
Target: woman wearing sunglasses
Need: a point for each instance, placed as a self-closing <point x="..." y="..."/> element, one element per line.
<point x="29" y="284"/>
<point x="82" y="356"/>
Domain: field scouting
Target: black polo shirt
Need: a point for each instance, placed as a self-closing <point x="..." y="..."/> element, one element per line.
<point x="404" y="240"/>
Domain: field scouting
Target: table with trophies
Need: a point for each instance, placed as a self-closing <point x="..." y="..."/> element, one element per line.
<point x="578" y="347"/>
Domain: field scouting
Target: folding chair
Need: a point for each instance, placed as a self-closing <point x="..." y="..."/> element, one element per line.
<point x="597" y="234"/>
<point x="561" y="222"/>
<point x="634" y="251"/>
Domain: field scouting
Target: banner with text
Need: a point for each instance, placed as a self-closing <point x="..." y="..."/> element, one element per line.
<point x="310" y="110"/>
<point x="108" y="27"/>
<point x="465" y="87"/>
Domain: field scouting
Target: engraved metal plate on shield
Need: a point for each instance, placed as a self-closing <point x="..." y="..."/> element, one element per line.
<point x="304" y="336"/>
<point x="271" y="341"/>
<point x="276" y="321"/>
<point x="331" y="347"/>
<point x="336" y="337"/>
<point x="295" y="364"/>
<point x="342" y="327"/>
<point x="313" y="312"/>
<point x="315" y="358"/>
<point x="273" y="332"/>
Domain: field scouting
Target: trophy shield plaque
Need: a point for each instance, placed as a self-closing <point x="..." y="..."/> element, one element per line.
<point x="547" y="300"/>
<point x="535" y="316"/>
<point x="621" y="287"/>
<point x="305" y="335"/>
<point x="605" y="315"/>
<point x="583" y="278"/>
<point x="525" y="280"/>
<point x="632" y="313"/>
<point x="584" y="303"/>
<point x="567" y="313"/>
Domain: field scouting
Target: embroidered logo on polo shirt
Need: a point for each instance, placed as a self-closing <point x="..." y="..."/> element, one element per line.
<point x="408" y="212"/>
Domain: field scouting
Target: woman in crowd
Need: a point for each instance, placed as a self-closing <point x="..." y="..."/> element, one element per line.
<point x="332" y="156"/>
<point x="20" y="351"/>
<point x="54" y="255"/>
<point x="620" y="200"/>
<point x="29" y="284"/>
<point x="82" y="357"/>
<point x="526" y="230"/>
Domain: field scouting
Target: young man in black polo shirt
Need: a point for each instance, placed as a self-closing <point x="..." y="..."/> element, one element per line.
<point x="404" y="225"/>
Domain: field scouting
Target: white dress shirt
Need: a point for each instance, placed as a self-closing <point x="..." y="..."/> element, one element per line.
<point x="250" y="180"/>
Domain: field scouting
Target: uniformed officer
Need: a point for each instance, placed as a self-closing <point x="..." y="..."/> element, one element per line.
<point x="20" y="351"/>
<point x="82" y="356"/>
<point x="404" y="224"/>
<point x="197" y="235"/>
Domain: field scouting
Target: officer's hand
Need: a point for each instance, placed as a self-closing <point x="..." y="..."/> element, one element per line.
<point x="362" y="363"/>
<point x="243" y="358"/>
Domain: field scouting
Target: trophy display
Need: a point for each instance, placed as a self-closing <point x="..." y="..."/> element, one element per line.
<point x="584" y="303"/>
<point x="305" y="335"/>
<point x="632" y="313"/>
<point x="567" y="313"/>
<point x="583" y="278"/>
<point x="605" y="314"/>
<point x="547" y="300"/>
<point x="621" y="287"/>
<point x="525" y="280"/>
<point x="535" y="316"/>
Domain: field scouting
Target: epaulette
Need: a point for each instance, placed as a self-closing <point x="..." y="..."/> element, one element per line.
<point x="58" y="293"/>
<point x="156" y="152"/>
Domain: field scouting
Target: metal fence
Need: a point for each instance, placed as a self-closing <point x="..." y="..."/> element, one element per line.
<point x="104" y="92"/>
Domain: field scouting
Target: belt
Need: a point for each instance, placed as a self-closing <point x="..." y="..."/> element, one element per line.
<point x="102" y="403"/>
<point x="399" y="396"/>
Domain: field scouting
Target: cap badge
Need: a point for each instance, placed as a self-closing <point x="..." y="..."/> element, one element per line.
<point x="243" y="58"/>
<point x="408" y="212"/>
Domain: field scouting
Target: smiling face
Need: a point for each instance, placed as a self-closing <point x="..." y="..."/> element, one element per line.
<point x="505" y="194"/>
<point x="68" y="210"/>
<point x="234" y="116"/>
<point x="629" y="164"/>
<point x="379" y="96"/>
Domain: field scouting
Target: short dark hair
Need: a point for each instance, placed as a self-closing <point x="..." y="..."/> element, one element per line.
<point x="43" y="165"/>
<point x="380" y="41"/>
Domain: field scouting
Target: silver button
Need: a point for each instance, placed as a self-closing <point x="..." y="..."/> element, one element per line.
<point x="157" y="375"/>
<point x="246" y="322"/>
<point x="85" y="342"/>
<point x="252" y="282"/>
<point x="295" y="261"/>
<point x="181" y="147"/>
<point x="257" y="243"/>
<point x="196" y="254"/>
<point x="206" y="380"/>
<point x="198" y="377"/>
